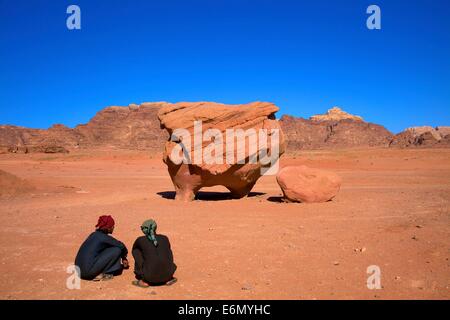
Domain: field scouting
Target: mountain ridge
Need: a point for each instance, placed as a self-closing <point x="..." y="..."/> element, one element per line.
<point x="137" y="127"/>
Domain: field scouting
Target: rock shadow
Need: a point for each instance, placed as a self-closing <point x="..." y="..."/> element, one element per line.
<point x="208" y="195"/>
<point x="276" y="199"/>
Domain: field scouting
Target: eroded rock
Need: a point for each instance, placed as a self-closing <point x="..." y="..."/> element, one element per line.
<point x="189" y="177"/>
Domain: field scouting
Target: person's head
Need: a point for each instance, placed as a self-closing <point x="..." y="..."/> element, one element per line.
<point x="105" y="224"/>
<point x="148" y="227"/>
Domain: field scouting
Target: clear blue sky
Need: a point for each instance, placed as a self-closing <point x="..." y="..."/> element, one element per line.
<point x="305" y="56"/>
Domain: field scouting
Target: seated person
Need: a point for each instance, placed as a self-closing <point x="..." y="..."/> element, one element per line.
<point x="153" y="258"/>
<point x="100" y="257"/>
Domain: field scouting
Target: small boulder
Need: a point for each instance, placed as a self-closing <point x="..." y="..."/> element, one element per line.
<point x="304" y="184"/>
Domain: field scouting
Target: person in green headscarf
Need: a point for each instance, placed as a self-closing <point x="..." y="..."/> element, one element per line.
<point x="153" y="258"/>
<point x="149" y="229"/>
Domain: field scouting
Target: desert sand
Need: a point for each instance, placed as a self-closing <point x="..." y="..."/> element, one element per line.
<point x="392" y="211"/>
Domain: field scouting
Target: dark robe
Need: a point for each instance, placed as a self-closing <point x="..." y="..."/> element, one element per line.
<point x="153" y="264"/>
<point x="100" y="253"/>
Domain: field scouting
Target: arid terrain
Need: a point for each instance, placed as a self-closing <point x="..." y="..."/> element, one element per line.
<point x="393" y="211"/>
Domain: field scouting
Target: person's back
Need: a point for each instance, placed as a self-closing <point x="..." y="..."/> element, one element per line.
<point x="89" y="250"/>
<point x="153" y="258"/>
<point x="157" y="264"/>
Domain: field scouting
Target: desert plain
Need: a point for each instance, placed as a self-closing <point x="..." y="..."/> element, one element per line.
<point x="393" y="211"/>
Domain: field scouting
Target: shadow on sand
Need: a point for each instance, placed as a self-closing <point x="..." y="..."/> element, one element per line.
<point x="277" y="199"/>
<point x="208" y="195"/>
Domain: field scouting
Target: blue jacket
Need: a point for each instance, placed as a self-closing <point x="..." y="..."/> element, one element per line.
<point x="93" y="246"/>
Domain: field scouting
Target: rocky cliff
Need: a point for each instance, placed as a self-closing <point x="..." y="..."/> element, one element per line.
<point x="132" y="127"/>
<point x="335" y="129"/>
<point x="424" y="136"/>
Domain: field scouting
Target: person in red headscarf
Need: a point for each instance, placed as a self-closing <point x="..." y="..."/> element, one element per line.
<point x="101" y="256"/>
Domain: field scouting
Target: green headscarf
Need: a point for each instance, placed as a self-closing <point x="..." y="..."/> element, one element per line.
<point x="148" y="227"/>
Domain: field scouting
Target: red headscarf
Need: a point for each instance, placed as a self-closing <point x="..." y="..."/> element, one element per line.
<point x="105" y="222"/>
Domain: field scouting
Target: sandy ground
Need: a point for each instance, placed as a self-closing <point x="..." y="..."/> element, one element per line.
<point x="392" y="211"/>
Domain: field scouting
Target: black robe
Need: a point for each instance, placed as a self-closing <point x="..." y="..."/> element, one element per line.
<point x="100" y="253"/>
<point x="153" y="264"/>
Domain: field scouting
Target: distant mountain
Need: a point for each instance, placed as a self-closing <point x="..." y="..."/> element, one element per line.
<point x="425" y="136"/>
<point x="137" y="127"/>
<point x="133" y="127"/>
<point x="304" y="134"/>
<point x="335" y="114"/>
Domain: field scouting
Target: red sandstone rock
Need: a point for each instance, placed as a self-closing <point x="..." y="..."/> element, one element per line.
<point x="424" y="136"/>
<point x="133" y="127"/>
<point x="303" y="134"/>
<point x="303" y="184"/>
<point x="189" y="178"/>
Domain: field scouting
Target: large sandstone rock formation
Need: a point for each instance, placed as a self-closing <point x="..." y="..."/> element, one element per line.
<point x="188" y="178"/>
<point x="424" y="136"/>
<point x="304" y="184"/>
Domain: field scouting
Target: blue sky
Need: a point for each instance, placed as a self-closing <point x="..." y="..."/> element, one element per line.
<point x="305" y="56"/>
